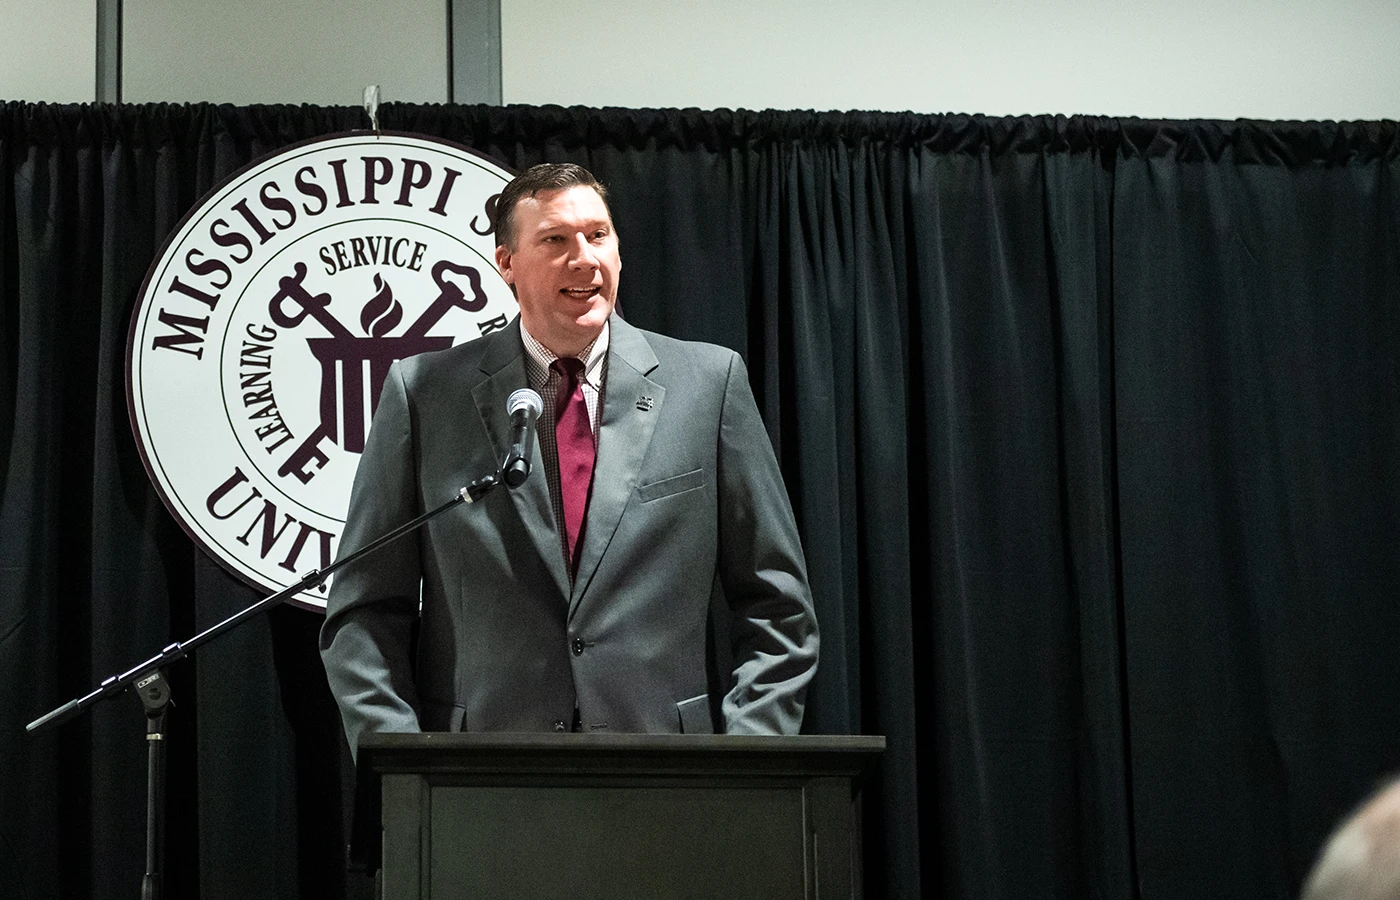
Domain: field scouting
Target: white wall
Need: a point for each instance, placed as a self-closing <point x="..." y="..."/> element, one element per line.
<point x="283" y="51"/>
<point x="1271" y="59"/>
<point x="229" y="51"/>
<point x="48" y="50"/>
<point x="1277" y="59"/>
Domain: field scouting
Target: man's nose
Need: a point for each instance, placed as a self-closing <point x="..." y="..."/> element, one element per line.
<point x="581" y="253"/>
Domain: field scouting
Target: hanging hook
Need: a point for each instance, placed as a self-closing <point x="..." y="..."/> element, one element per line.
<point x="372" y="106"/>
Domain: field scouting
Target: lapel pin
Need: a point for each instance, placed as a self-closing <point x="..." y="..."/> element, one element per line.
<point x="644" y="404"/>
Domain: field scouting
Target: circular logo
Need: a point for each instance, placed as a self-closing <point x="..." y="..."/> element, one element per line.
<point x="266" y="326"/>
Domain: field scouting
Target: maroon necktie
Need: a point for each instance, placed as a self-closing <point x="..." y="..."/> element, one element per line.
<point x="573" y="437"/>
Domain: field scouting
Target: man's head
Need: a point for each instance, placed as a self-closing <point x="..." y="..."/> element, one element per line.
<point x="1362" y="859"/>
<point x="557" y="249"/>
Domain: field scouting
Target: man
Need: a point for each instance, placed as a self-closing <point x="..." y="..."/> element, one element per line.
<point x="580" y="600"/>
<point x="1362" y="860"/>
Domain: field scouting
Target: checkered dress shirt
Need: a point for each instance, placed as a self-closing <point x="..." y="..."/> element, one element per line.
<point x="546" y="381"/>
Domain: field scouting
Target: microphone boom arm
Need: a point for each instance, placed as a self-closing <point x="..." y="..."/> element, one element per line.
<point x="115" y="684"/>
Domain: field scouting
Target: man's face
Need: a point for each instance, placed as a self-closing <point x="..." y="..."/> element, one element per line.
<point x="564" y="267"/>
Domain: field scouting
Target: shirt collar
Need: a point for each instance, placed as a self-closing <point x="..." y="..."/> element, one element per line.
<point x="592" y="355"/>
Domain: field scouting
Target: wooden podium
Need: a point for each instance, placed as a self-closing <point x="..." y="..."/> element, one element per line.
<point x="612" y="816"/>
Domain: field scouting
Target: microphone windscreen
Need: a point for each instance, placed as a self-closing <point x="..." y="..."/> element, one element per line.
<point x="525" y="398"/>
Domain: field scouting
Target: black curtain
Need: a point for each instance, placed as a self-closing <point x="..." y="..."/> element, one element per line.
<point x="1091" y="426"/>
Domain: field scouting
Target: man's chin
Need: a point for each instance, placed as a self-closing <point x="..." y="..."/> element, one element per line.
<point x="596" y="315"/>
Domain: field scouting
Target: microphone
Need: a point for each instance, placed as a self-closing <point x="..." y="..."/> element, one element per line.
<point x="524" y="407"/>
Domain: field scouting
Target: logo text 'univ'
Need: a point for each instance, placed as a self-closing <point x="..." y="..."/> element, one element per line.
<point x="268" y="324"/>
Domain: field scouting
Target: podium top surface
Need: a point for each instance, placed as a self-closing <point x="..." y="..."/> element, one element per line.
<point x="496" y="753"/>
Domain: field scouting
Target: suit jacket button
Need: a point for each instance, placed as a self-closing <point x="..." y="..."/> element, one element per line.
<point x="561" y="725"/>
<point x="578" y="646"/>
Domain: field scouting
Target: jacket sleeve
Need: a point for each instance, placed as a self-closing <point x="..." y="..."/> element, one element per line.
<point x="373" y="603"/>
<point x="764" y="575"/>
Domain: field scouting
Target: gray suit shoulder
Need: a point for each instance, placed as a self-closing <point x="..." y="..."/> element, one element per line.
<point x="698" y="355"/>
<point x="453" y="362"/>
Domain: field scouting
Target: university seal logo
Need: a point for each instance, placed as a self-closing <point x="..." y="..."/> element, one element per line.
<point x="265" y="328"/>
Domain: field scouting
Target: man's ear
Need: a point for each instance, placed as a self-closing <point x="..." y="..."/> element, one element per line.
<point x="503" y="262"/>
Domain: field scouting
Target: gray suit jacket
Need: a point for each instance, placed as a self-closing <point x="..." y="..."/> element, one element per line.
<point x="686" y="499"/>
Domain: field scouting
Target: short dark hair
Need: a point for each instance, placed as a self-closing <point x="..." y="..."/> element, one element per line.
<point x="535" y="180"/>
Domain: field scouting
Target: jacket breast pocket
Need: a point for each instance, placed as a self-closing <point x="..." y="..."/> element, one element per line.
<point x="668" y="487"/>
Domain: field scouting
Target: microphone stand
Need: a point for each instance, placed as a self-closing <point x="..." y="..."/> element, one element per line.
<point x="153" y="687"/>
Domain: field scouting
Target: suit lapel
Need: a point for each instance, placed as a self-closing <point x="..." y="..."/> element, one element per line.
<point x="628" y="423"/>
<point x="503" y="364"/>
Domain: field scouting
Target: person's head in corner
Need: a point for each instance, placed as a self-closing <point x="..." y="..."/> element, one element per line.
<point x="1362" y="858"/>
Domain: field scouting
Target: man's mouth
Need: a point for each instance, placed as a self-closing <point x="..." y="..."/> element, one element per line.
<point x="582" y="293"/>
